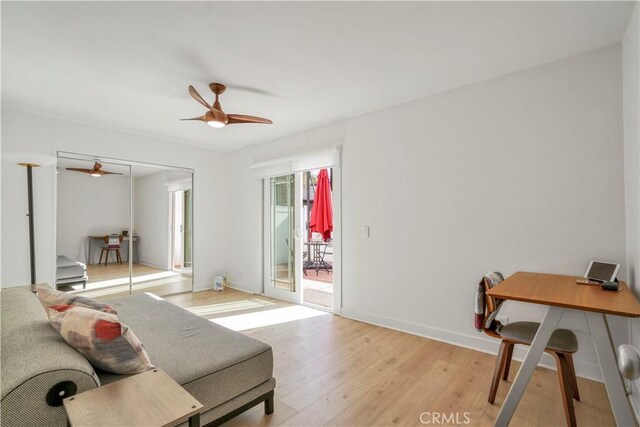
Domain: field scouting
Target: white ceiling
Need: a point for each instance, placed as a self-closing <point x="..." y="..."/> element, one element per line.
<point x="127" y="66"/>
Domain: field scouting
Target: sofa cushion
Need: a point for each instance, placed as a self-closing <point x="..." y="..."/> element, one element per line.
<point x="105" y="341"/>
<point x="524" y="332"/>
<point x="211" y="362"/>
<point x="49" y="297"/>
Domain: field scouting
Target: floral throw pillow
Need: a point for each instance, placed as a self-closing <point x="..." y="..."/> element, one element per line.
<point x="49" y="297"/>
<point x="105" y="341"/>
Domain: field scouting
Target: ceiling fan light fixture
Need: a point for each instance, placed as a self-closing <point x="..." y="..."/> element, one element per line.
<point x="215" y="117"/>
<point x="97" y="175"/>
<point x="216" y="124"/>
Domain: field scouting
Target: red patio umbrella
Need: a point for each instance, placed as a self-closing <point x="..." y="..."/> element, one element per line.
<point x="322" y="211"/>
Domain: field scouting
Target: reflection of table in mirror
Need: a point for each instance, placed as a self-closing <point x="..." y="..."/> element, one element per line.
<point x="98" y="241"/>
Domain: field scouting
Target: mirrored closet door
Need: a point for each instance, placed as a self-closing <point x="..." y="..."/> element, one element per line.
<point x="123" y="227"/>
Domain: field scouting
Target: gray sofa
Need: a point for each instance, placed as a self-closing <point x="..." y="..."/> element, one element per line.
<point x="225" y="370"/>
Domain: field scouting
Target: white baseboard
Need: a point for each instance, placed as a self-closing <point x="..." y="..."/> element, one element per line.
<point x="479" y="342"/>
<point x="152" y="264"/>
<point x="199" y="287"/>
<point x="241" y="287"/>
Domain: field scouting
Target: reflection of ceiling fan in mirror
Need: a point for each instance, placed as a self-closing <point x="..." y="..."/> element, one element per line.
<point x="217" y="118"/>
<point x="96" y="171"/>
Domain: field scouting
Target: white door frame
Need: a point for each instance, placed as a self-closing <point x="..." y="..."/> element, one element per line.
<point x="172" y="227"/>
<point x="337" y="239"/>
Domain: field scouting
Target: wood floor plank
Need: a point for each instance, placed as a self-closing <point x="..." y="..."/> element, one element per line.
<point x="256" y="416"/>
<point x="334" y="377"/>
<point x="332" y="362"/>
<point x="368" y="409"/>
<point x="327" y="407"/>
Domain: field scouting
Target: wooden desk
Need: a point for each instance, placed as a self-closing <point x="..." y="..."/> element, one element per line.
<point x="560" y="293"/>
<point x="148" y="399"/>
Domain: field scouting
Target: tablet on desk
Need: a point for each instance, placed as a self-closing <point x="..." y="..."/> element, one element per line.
<point x="599" y="272"/>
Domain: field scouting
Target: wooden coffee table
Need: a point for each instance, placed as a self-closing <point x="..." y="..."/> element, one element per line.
<point x="148" y="399"/>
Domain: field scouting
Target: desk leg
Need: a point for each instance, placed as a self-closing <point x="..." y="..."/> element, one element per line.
<point x="194" y="420"/>
<point x="540" y="341"/>
<point x="599" y="331"/>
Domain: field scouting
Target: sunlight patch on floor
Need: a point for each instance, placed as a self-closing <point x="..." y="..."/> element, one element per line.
<point x="136" y="279"/>
<point x="124" y="281"/>
<point x="124" y="288"/>
<point x="226" y="307"/>
<point x="242" y="322"/>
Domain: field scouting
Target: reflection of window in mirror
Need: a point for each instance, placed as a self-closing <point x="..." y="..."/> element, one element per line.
<point x="163" y="225"/>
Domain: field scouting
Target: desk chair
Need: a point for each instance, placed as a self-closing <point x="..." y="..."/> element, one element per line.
<point x="562" y="346"/>
<point x="112" y="245"/>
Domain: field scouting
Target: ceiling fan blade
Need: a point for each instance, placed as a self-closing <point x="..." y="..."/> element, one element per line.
<point x="241" y="118"/>
<point x="110" y="173"/>
<point x="201" y="118"/>
<point x="195" y="95"/>
<point x="79" y="170"/>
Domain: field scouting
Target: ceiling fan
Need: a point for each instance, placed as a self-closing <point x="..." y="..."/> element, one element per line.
<point x="217" y="118"/>
<point x="96" y="170"/>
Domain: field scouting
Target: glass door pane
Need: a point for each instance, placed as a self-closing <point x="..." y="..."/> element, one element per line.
<point x="282" y="232"/>
<point x="187" y="228"/>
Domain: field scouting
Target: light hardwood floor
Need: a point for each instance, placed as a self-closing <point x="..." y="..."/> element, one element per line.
<point x="335" y="371"/>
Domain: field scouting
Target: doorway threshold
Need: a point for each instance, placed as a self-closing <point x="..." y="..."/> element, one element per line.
<point x="318" y="307"/>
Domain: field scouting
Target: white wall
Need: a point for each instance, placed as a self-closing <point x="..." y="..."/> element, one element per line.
<point x="89" y="206"/>
<point x="522" y="172"/>
<point x="22" y="132"/>
<point x="631" y="97"/>
<point x="151" y="219"/>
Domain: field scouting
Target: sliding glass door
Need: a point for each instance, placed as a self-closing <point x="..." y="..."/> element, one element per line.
<point x="282" y="237"/>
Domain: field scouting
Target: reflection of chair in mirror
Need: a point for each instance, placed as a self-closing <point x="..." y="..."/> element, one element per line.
<point x="112" y="242"/>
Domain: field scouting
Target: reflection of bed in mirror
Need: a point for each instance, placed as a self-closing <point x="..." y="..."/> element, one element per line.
<point x="70" y="272"/>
